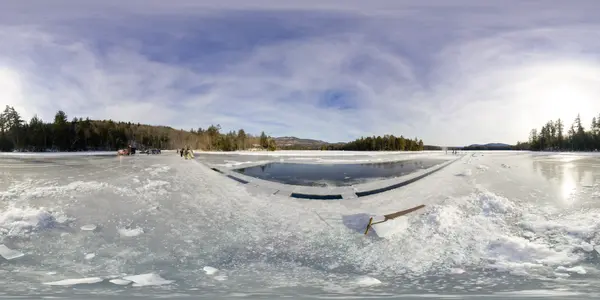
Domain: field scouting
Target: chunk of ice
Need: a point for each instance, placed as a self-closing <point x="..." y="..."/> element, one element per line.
<point x="577" y="269"/>
<point x="90" y="256"/>
<point x="221" y="277"/>
<point x="528" y="234"/>
<point x="62" y="219"/>
<point x="130" y="232"/>
<point x="147" y="279"/>
<point x="65" y="282"/>
<point x="587" y="247"/>
<point x="88" y="227"/>
<point x="8" y="253"/>
<point x="120" y="281"/>
<point x="367" y="281"/>
<point x="210" y="270"/>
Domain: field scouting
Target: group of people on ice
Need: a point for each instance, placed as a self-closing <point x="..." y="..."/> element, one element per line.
<point x="186" y="152"/>
<point x="454" y="151"/>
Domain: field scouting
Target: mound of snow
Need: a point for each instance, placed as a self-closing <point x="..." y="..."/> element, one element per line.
<point x="390" y="227"/>
<point x="36" y="189"/>
<point x="21" y="221"/>
<point x="481" y="229"/>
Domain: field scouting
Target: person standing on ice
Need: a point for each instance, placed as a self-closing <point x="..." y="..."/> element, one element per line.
<point x="188" y="152"/>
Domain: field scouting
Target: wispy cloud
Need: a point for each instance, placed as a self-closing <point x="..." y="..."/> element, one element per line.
<point x="451" y="73"/>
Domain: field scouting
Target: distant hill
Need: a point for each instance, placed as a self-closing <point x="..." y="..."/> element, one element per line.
<point x="489" y="146"/>
<point x="294" y="142"/>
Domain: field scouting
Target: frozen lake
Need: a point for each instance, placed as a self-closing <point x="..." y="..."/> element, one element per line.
<point x="499" y="224"/>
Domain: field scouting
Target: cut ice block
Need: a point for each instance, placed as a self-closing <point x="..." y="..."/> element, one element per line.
<point x="74" y="281"/>
<point x="8" y="253"/>
<point x="147" y="279"/>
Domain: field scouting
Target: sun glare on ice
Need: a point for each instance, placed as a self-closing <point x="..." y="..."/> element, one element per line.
<point x="568" y="186"/>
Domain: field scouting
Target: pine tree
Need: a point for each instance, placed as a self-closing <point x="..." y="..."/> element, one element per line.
<point x="559" y="136"/>
<point x="264" y="141"/>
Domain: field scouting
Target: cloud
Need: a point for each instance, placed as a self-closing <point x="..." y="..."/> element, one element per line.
<point x="453" y="74"/>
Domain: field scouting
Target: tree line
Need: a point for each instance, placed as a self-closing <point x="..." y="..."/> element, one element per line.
<point x="552" y="137"/>
<point x="81" y="134"/>
<point x="379" y="143"/>
<point x="92" y="135"/>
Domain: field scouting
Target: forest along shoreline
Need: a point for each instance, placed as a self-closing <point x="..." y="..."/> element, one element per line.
<point x="81" y="134"/>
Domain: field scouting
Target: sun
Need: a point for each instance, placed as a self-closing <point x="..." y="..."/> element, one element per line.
<point x="560" y="90"/>
<point x="10" y="88"/>
<point x="564" y="99"/>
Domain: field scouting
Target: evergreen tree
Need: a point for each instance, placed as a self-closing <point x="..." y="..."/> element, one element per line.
<point x="81" y="134"/>
<point x="241" y="139"/>
<point x="551" y="136"/>
<point x="264" y="141"/>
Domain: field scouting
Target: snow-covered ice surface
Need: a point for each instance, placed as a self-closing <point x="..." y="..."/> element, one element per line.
<point x="496" y="224"/>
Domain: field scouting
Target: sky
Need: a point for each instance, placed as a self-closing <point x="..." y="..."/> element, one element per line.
<point x="449" y="72"/>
